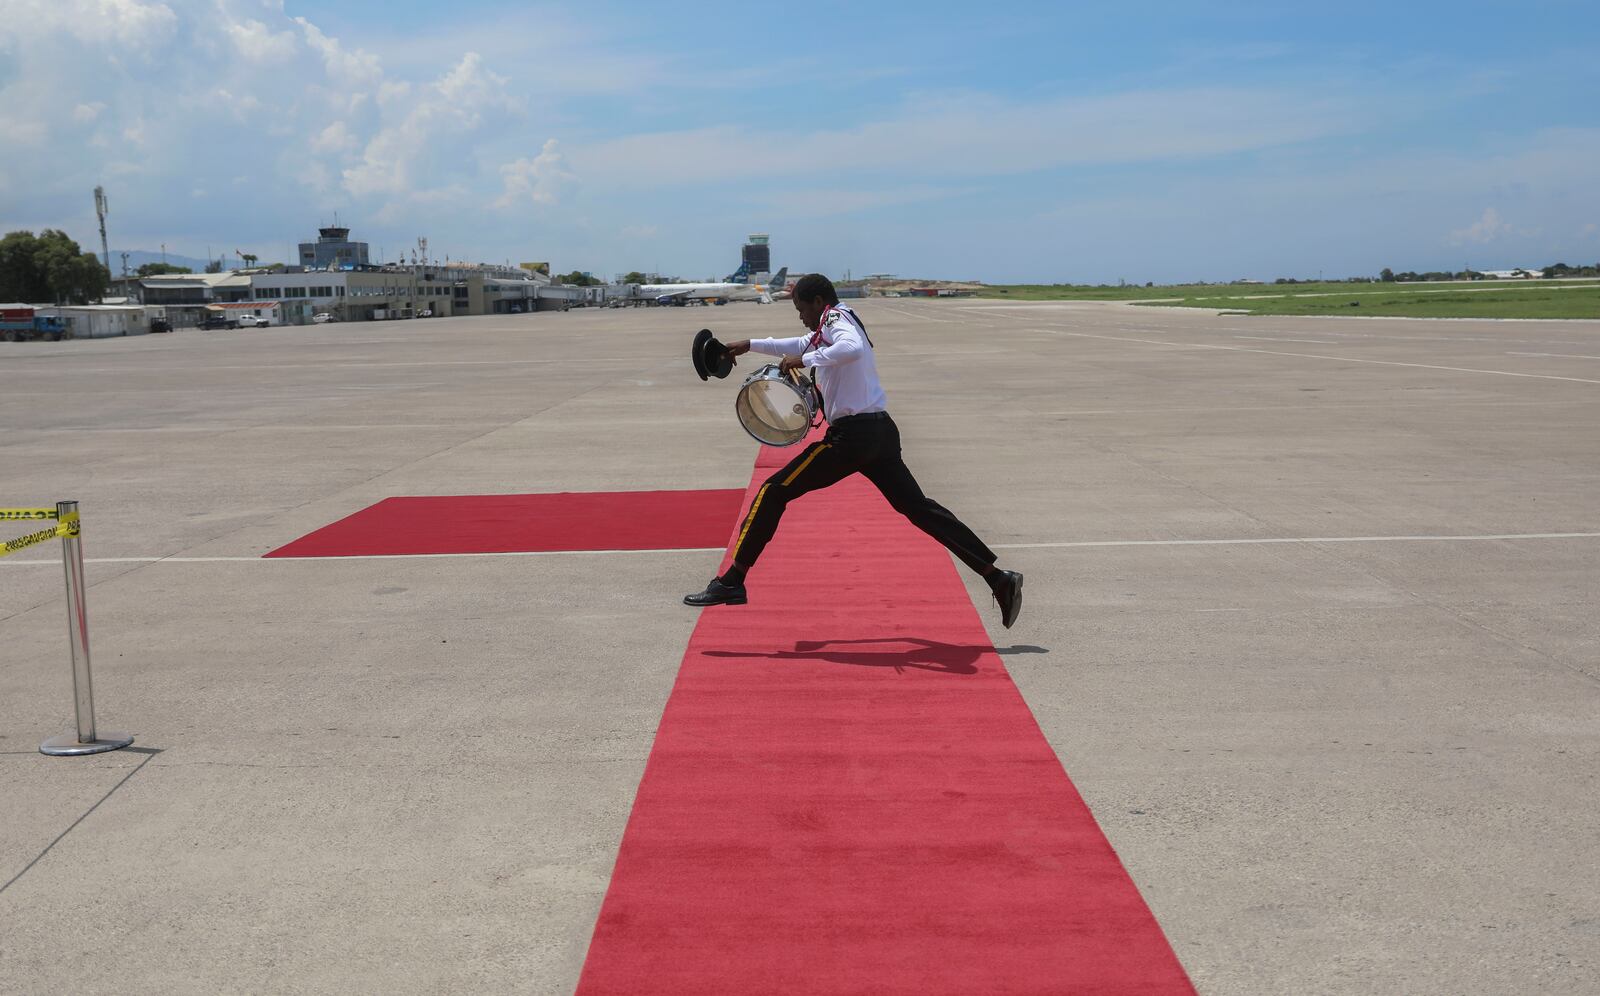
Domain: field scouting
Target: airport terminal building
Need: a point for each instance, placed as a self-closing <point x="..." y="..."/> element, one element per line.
<point x="335" y="278"/>
<point x="364" y="293"/>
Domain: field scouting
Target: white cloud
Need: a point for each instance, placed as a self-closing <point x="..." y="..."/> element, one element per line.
<point x="347" y="66"/>
<point x="317" y="176"/>
<point x="255" y="42"/>
<point x="418" y="148"/>
<point x="392" y="92"/>
<point x="540" y="180"/>
<point x="831" y="201"/>
<point x="1483" y="231"/>
<point x="470" y="83"/>
<point x="135" y="25"/>
<point x="160" y="99"/>
<point x="212" y="119"/>
<point x="981" y="135"/>
<point x="334" y="139"/>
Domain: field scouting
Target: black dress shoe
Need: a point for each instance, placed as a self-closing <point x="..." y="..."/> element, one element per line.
<point x="1007" y="590"/>
<point x="717" y="593"/>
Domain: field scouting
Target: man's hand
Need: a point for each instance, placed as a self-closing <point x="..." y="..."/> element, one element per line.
<point x="789" y="364"/>
<point x="738" y="348"/>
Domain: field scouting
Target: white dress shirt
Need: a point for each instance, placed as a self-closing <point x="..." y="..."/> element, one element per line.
<point x="847" y="374"/>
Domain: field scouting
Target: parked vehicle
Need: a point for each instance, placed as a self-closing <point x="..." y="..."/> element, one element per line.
<point x="218" y="322"/>
<point x="22" y="325"/>
<point x="254" y="322"/>
<point x="160" y="325"/>
<point x="322" y="318"/>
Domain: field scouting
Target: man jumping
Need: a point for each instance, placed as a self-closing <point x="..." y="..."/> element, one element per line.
<point x="861" y="438"/>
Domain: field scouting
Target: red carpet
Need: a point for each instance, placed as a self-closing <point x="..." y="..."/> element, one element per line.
<point x="847" y="794"/>
<point x="619" y="520"/>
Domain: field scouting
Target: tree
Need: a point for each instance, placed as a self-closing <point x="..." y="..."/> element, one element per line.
<point x="157" y="269"/>
<point x="20" y="276"/>
<point x="1387" y="276"/>
<point x="577" y="277"/>
<point x="214" y="266"/>
<point x="49" y="267"/>
<point x="635" y="277"/>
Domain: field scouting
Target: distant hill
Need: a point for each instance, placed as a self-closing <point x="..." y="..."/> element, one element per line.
<point x="139" y="257"/>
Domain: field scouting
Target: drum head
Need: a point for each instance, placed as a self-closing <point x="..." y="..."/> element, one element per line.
<point x="773" y="410"/>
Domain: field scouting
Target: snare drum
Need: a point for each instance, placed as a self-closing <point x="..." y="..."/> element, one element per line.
<point x="774" y="408"/>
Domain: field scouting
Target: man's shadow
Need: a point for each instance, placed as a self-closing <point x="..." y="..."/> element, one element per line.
<point x="924" y="655"/>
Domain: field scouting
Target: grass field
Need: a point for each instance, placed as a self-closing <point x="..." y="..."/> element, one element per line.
<point x="1508" y="299"/>
<point x="1084" y="292"/>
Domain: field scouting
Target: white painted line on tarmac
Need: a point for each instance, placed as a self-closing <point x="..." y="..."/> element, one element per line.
<point x="1321" y="406"/>
<point x="1268" y="338"/>
<point x="332" y="365"/>
<point x="222" y="428"/>
<point x="1570" y="356"/>
<point x="1252" y="541"/>
<point x="364" y="556"/>
<point x="1315" y="356"/>
<point x="1296" y="539"/>
<point x="917" y="315"/>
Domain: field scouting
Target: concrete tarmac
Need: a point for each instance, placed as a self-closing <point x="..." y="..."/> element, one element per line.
<point x="1310" y="622"/>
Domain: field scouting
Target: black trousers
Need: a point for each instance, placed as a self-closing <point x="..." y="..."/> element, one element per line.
<point x="868" y="445"/>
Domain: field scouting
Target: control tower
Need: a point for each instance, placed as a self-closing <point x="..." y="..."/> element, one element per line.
<point x="757" y="256"/>
<point x="332" y="248"/>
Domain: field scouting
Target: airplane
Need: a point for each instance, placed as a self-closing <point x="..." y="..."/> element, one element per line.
<point x="684" y="293"/>
<point x="777" y="287"/>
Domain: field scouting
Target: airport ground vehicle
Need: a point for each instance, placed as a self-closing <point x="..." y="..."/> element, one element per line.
<point x="253" y="322"/>
<point x="218" y="322"/>
<point x="160" y="325"/>
<point x="22" y="325"/>
<point x="322" y="318"/>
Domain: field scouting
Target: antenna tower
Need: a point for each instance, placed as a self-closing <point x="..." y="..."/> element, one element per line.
<point x="100" y="210"/>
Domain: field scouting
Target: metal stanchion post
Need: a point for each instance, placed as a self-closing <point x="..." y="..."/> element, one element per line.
<point x="86" y="741"/>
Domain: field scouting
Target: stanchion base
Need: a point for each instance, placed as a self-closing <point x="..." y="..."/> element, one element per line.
<point x="67" y="745"/>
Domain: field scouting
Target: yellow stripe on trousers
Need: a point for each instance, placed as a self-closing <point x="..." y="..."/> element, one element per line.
<point x="749" y="518"/>
<point x="751" y="515"/>
<point x="804" y="464"/>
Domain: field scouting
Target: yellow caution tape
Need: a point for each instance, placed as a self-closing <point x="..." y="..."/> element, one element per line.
<point x="68" y="526"/>
<point x="27" y="513"/>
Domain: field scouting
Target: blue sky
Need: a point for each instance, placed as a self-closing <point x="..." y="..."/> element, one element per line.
<point x="1025" y="142"/>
